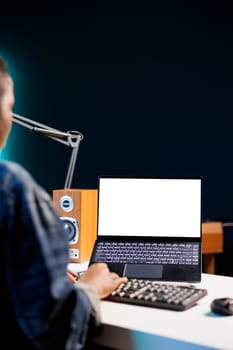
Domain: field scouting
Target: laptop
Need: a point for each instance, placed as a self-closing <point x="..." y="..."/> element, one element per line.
<point x="150" y="228"/>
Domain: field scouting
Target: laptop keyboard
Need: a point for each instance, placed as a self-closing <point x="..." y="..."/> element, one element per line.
<point x="159" y="295"/>
<point x="147" y="253"/>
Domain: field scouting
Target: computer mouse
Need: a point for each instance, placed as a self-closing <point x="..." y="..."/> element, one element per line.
<point x="222" y="306"/>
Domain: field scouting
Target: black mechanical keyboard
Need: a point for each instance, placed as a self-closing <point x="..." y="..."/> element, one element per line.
<point x="157" y="294"/>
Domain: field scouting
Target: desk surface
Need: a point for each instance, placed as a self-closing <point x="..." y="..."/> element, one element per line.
<point x="131" y="327"/>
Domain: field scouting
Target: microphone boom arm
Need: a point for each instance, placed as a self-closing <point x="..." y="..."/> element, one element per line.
<point x="69" y="138"/>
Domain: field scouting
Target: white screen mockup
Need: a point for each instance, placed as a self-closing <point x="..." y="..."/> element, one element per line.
<point x="149" y="207"/>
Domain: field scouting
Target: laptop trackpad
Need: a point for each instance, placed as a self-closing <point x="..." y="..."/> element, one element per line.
<point x="143" y="271"/>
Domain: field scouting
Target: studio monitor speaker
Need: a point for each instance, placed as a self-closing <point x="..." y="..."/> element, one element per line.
<point x="77" y="208"/>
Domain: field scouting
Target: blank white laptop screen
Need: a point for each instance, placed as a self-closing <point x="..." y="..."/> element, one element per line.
<point x="150" y="228"/>
<point x="149" y="207"/>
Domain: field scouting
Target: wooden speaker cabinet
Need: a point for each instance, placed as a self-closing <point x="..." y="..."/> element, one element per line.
<point x="78" y="209"/>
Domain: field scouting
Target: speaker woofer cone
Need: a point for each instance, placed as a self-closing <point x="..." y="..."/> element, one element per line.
<point x="71" y="228"/>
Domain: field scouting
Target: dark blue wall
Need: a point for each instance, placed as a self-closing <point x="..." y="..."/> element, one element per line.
<point x="149" y="86"/>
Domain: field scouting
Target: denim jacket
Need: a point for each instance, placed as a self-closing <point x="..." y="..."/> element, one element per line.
<point x="40" y="308"/>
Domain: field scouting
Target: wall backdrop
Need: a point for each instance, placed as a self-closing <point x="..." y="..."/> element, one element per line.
<point x="149" y="86"/>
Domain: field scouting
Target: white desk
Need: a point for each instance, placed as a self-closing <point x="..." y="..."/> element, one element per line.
<point x="129" y="327"/>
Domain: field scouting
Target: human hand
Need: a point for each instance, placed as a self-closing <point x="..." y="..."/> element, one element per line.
<point x="72" y="276"/>
<point x="101" y="279"/>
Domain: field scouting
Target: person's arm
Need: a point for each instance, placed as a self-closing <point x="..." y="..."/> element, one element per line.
<point x="98" y="282"/>
<point x="49" y="308"/>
